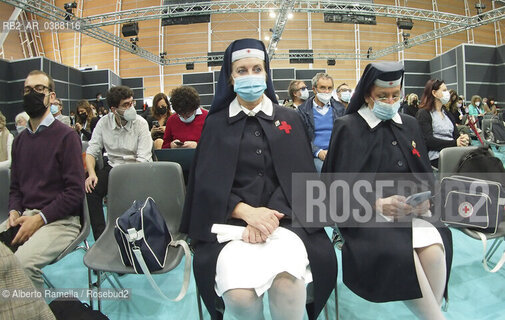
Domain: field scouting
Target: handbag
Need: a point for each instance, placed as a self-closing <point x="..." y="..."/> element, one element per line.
<point x="143" y="241"/>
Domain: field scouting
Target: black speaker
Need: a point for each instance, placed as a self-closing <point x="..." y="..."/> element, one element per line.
<point x="130" y="29"/>
<point x="405" y="24"/>
<point x="190" y="66"/>
<point x="331" y="62"/>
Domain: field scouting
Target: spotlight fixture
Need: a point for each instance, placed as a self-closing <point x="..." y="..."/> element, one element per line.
<point x="480" y="9"/>
<point x="190" y="66"/>
<point x="406" y="37"/>
<point x="69" y="9"/>
<point x="369" y="53"/>
<point x="163" y="54"/>
<point x="331" y="62"/>
<point x="134" y="41"/>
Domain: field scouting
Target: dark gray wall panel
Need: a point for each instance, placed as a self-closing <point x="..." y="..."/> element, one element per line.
<point x="3" y="91"/>
<point x="75" y="91"/>
<point x="4" y="70"/>
<point x="133" y="82"/>
<point x="480" y="54"/>
<point x="16" y="90"/>
<point x="61" y="89"/>
<point x="58" y="71"/>
<point x="75" y="76"/>
<point x="20" y="69"/>
<point x="89" y="92"/>
<point x="138" y="94"/>
<point x="93" y="77"/>
<point x="450" y="75"/>
<point x="500" y="74"/>
<point x="436" y="75"/>
<point x="482" y="90"/>
<point x="207" y="88"/>
<point x="283" y="74"/>
<point x="449" y="59"/>
<point x="418" y="91"/>
<point x="480" y="73"/>
<point x="191" y="78"/>
<point x="500" y="55"/>
<point x="281" y="85"/>
<point x="416" y="80"/>
<point x="435" y="64"/>
<point x="114" y="79"/>
<point x="417" y="66"/>
<point x="206" y="99"/>
<point x="10" y="111"/>
<point x="460" y="70"/>
<point x="307" y="74"/>
<point x="46" y="65"/>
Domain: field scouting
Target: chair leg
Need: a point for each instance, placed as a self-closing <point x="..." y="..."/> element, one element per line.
<point x="336" y="301"/>
<point x="90" y="286"/>
<point x="493" y="248"/>
<point x="98" y="282"/>
<point x="199" y="302"/>
<point x="326" y="315"/>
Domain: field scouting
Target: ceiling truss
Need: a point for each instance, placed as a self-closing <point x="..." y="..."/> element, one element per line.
<point x="91" y="25"/>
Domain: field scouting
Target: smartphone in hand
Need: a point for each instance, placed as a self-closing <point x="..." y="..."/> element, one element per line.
<point x="156" y="123"/>
<point x="418" y="198"/>
<point x="178" y="143"/>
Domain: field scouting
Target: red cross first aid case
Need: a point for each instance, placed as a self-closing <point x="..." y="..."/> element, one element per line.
<point x="468" y="202"/>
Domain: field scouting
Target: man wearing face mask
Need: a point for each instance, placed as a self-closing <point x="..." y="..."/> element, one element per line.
<point x="298" y="93"/>
<point x="344" y="94"/>
<point x="56" y="107"/>
<point x="46" y="190"/>
<point x="184" y="128"/>
<point x="319" y="113"/>
<point x="126" y="139"/>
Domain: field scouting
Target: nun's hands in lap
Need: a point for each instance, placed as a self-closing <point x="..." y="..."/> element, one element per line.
<point x="253" y="235"/>
<point x="394" y="206"/>
<point x="263" y="219"/>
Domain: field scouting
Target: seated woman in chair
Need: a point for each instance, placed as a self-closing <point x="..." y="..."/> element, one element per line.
<point x="405" y="258"/>
<point x="438" y="125"/>
<point x="241" y="176"/>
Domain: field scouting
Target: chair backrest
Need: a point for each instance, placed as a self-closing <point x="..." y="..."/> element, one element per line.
<point x="450" y="157"/>
<point x="182" y="156"/>
<point x="163" y="181"/>
<point x="4" y="193"/>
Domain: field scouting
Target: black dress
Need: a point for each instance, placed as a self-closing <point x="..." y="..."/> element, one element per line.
<point x="250" y="159"/>
<point x="378" y="263"/>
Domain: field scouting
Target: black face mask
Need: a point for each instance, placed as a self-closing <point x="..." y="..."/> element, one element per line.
<point x="162" y="110"/>
<point x="83" y="117"/>
<point x="33" y="104"/>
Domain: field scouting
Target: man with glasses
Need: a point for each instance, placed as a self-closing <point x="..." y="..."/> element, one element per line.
<point x="319" y="113"/>
<point x="46" y="191"/>
<point x="298" y="93"/>
<point x="56" y="107"/>
<point x="343" y="93"/>
<point x="126" y="138"/>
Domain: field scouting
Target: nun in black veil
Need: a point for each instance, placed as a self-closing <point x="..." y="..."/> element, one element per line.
<point x="240" y="189"/>
<point x="409" y="262"/>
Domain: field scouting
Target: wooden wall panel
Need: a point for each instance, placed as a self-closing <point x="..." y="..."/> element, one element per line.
<point x="12" y="45"/>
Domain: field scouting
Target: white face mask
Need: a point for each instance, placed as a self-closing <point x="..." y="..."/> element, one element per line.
<point x="130" y="114"/>
<point x="324" y="97"/>
<point x="446" y="96"/>
<point x="477" y="103"/>
<point x="304" y="94"/>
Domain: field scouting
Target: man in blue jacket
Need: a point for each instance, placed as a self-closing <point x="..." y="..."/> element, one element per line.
<point x="318" y="119"/>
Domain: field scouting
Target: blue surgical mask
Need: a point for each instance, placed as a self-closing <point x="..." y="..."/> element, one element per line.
<point x="20" y="129"/>
<point x="385" y="111"/>
<point x="345" y="96"/>
<point x="54" y="109"/>
<point x="250" y="87"/>
<point x="188" y="120"/>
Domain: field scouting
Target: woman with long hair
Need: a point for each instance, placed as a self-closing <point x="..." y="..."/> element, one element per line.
<point x="437" y="125"/>
<point x="85" y="120"/>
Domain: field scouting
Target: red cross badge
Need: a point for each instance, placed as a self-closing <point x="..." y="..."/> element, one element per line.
<point x="391" y="83"/>
<point x="283" y="125"/>
<point x="414" y="150"/>
<point x="465" y="209"/>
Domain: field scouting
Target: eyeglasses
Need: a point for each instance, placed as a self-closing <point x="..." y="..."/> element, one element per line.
<point x="344" y="90"/>
<point x="127" y="105"/>
<point x="395" y="98"/>
<point x="38" y="88"/>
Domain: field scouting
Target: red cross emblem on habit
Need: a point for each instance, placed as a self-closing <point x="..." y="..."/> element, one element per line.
<point x="248" y="51"/>
<point x="390" y="83"/>
<point x="285" y="126"/>
<point x="465" y="209"/>
<point x="415" y="152"/>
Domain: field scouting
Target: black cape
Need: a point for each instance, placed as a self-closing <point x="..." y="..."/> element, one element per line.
<point x="210" y="183"/>
<point x="378" y="263"/>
